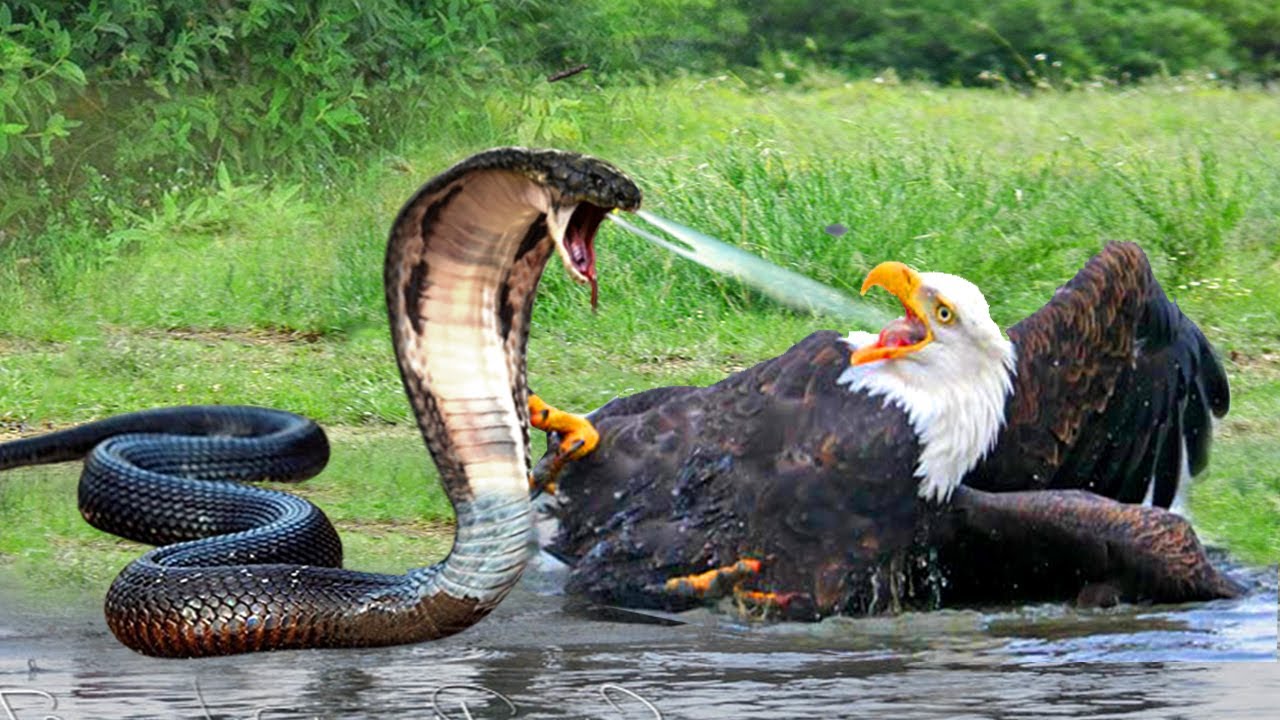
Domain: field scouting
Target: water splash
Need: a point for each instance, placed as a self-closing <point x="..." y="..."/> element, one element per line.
<point x="785" y="286"/>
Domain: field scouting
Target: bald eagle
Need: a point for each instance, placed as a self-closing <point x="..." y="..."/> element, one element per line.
<point x="936" y="462"/>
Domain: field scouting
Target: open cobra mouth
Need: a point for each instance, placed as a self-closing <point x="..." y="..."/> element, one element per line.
<point x="577" y="248"/>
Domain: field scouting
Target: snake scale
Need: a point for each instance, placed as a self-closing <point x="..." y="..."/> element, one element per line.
<point x="243" y="569"/>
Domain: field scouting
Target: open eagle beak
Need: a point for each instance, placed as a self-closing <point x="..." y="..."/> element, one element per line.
<point x="907" y="334"/>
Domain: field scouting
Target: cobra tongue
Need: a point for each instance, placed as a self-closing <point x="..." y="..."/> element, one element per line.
<point x="580" y="243"/>
<point x="585" y="260"/>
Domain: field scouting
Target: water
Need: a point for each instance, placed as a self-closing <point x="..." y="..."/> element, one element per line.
<point x="549" y="660"/>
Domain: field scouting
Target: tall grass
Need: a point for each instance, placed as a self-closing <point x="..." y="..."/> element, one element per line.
<point x="1011" y="191"/>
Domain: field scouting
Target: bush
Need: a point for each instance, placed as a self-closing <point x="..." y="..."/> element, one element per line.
<point x="176" y="88"/>
<point x="969" y="42"/>
<point x="109" y="104"/>
<point x="638" y="38"/>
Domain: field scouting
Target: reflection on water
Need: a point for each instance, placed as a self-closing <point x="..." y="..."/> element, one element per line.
<point x="550" y="661"/>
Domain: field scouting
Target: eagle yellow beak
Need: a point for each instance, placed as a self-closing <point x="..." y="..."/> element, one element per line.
<point x="907" y="334"/>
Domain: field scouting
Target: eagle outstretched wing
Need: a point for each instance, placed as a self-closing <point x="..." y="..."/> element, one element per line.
<point x="1115" y="389"/>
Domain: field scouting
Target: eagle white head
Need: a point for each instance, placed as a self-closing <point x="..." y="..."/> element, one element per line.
<point x="945" y="363"/>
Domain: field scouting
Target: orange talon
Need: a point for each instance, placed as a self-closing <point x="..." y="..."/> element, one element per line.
<point x="759" y="605"/>
<point x="578" y="435"/>
<point x="713" y="582"/>
<point x="759" y="598"/>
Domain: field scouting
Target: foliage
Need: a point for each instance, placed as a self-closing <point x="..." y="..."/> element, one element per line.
<point x="161" y="94"/>
<point x="1025" y="41"/>
<point x="640" y="38"/>
<point x="109" y="106"/>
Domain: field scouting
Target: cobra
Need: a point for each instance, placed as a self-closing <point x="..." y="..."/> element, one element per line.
<point x="242" y="569"/>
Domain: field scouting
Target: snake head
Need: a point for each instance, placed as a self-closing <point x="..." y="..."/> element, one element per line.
<point x="589" y="189"/>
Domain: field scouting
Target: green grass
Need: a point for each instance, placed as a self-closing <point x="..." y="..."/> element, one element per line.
<point x="1011" y="191"/>
<point x="1237" y="501"/>
<point x="272" y="294"/>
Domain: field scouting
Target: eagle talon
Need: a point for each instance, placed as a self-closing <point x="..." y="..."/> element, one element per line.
<point x="760" y="605"/>
<point x="578" y="435"/>
<point x="712" y="583"/>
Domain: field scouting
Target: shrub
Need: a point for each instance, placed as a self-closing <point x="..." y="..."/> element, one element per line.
<point x="967" y="42"/>
<point x="142" y="91"/>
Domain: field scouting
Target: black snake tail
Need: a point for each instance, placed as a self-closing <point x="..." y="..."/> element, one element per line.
<point x="260" y="570"/>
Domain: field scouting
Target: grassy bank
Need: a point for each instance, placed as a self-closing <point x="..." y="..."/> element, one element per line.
<point x="271" y="295"/>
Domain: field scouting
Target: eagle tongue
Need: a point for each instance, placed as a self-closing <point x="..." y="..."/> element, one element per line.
<point x="902" y="332"/>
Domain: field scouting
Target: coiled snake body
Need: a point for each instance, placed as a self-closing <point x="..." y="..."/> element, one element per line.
<point x="254" y="569"/>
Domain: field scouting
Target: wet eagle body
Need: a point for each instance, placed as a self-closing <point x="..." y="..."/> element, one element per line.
<point x="933" y="464"/>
